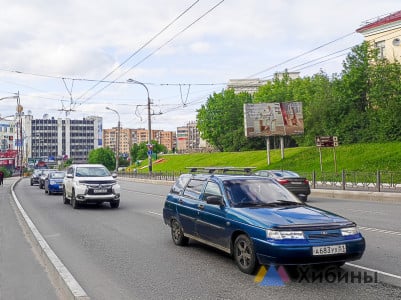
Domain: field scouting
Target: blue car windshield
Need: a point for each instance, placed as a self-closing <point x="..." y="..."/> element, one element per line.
<point x="257" y="192"/>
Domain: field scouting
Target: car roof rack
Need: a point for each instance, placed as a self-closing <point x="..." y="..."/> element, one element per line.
<point x="222" y="170"/>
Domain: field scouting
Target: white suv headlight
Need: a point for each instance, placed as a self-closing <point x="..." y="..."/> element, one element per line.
<point x="349" y="231"/>
<point x="280" y="235"/>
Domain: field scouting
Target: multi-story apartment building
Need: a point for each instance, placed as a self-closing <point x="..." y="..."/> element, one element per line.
<point x="189" y="140"/>
<point x="7" y="132"/>
<point x="384" y="33"/>
<point x="62" y="138"/>
<point x="111" y="139"/>
<point x="129" y="137"/>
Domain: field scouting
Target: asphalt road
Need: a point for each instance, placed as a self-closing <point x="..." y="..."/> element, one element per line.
<point x="127" y="253"/>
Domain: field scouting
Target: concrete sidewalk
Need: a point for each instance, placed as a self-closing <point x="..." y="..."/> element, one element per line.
<point x="21" y="274"/>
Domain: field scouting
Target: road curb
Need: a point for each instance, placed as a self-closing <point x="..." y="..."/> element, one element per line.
<point x="356" y="195"/>
<point x="61" y="277"/>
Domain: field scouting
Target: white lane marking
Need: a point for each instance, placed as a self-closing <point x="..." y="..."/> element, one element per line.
<point x="380" y="230"/>
<point x="154" y="213"/>
<point x="366" y="211"/>
<point x="374" y="270"/>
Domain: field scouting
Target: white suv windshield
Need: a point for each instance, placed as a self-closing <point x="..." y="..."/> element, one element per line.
<point x="92" y="172"/>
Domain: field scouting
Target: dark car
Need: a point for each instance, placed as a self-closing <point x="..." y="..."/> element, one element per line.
<point x="54" y="182"/>
<point x="35" y="176"/>
<point x="292" y="181"/>
<point x="257" y="221"/>
<point x="42" y="177"/>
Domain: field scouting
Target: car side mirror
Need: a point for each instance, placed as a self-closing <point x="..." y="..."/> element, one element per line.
<point x="214" y="200"/>
<point x="70" y="176"/>
<point x="114" y="175"/>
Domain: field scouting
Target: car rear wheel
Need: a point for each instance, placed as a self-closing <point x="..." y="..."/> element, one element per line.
<point x="177" y="234"/>
<point x="244" y="254"/>
<point x="65" y="199"/>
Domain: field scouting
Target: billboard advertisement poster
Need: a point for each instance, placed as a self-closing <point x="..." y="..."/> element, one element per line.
<point x="270" y="119"/>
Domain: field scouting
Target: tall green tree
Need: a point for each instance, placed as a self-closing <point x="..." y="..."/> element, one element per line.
<point x="140" y="151"/>
<point x="104" y="156"/>
<point x="221" y="122"/>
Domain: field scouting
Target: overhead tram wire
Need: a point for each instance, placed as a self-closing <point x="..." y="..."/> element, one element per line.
<point x="156" y="50"/>
<point x="313" y="62"/>
<point x="141" y="48"/>
<point x="300" y="55"/>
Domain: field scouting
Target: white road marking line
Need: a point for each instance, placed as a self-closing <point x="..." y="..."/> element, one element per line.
<point x="380" y="230"/>
<point x="374" y="270"/>
<point x="154" y="213"/>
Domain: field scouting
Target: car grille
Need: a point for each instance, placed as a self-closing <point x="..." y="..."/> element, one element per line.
<point x="320" y="236"/>
<point x="99" y="189"/>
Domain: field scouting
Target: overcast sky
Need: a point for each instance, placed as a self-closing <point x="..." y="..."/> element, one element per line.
<point x="55" y="53"/>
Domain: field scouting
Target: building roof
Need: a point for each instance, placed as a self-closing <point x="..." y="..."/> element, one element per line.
<point x="381" y="21"/>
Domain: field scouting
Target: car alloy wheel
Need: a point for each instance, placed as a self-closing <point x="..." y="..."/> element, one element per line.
<point x="177" y="234"/>
<point x="244" y="254"/>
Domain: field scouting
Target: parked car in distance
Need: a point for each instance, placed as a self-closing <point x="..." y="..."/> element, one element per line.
<point x="54" y="182"/>
<point x="42" y="177"/>
<point x="257" y="221"/>
<point x="35" y="176"/>
<point x="90" y="183"/>
<point x="292" y="181"/>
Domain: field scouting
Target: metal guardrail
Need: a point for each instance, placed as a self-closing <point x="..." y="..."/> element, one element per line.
<point x="380" y="181"/>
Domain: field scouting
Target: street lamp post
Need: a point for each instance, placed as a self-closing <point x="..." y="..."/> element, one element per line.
<point x="150" y="147"/>
<point x="117" y="139"/>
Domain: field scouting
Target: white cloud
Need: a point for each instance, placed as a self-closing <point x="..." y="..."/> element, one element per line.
<point x="89" y="39"/>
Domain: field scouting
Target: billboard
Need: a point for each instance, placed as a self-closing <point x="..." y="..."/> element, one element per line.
<point x="267" y="119"/>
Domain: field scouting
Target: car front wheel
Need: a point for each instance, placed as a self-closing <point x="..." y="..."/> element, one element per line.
<point x="177" y="234"/>
<point x="115" y="204"/>
<point x="244" y="254"/>
<point x="74" y="201"/>
<point x="65" y="199"/>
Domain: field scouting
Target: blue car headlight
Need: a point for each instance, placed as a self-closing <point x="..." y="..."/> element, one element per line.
<point x="281" y="235"/>
<point x="349" y="231"/>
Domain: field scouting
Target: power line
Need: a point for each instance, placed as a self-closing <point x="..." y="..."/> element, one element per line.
<point x="141" y="48"/>
<point x="300" y="55"/>
<point x="157" y="49"/>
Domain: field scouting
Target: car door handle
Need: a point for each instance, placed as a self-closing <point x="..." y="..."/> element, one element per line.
<point x="180" y="201"/>
<point x="201" y="206"/>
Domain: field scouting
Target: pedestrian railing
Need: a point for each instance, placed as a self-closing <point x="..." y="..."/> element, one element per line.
<point x="380" y="181"/>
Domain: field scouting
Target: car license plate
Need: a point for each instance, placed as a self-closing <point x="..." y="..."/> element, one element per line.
<point x="329" y="250"/>
<point x="100" y="191"/>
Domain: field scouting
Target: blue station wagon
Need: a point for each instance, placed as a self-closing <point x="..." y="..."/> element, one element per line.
<point x="258" y="222"/>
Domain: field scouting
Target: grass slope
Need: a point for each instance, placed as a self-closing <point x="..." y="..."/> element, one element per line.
<point x="358" y="157"/>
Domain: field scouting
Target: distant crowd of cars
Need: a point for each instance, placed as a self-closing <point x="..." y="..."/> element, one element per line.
<point x="80" y="184"/>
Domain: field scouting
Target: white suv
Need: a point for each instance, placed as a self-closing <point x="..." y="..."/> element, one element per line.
<point x="90" y="183"/>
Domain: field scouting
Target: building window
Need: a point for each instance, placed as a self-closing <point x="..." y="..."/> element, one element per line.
<point x="381" y="47"/>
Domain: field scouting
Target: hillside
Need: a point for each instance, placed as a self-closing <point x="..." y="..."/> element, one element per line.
<point x="358" y="157"/>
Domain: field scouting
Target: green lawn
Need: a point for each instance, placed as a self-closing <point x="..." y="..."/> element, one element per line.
<point x="358" y="157"/>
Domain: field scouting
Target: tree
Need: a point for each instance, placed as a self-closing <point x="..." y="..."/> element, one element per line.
<point x="104" y="156"/>
<point x="140" y="152"/>
<point x="221" y="122"/>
